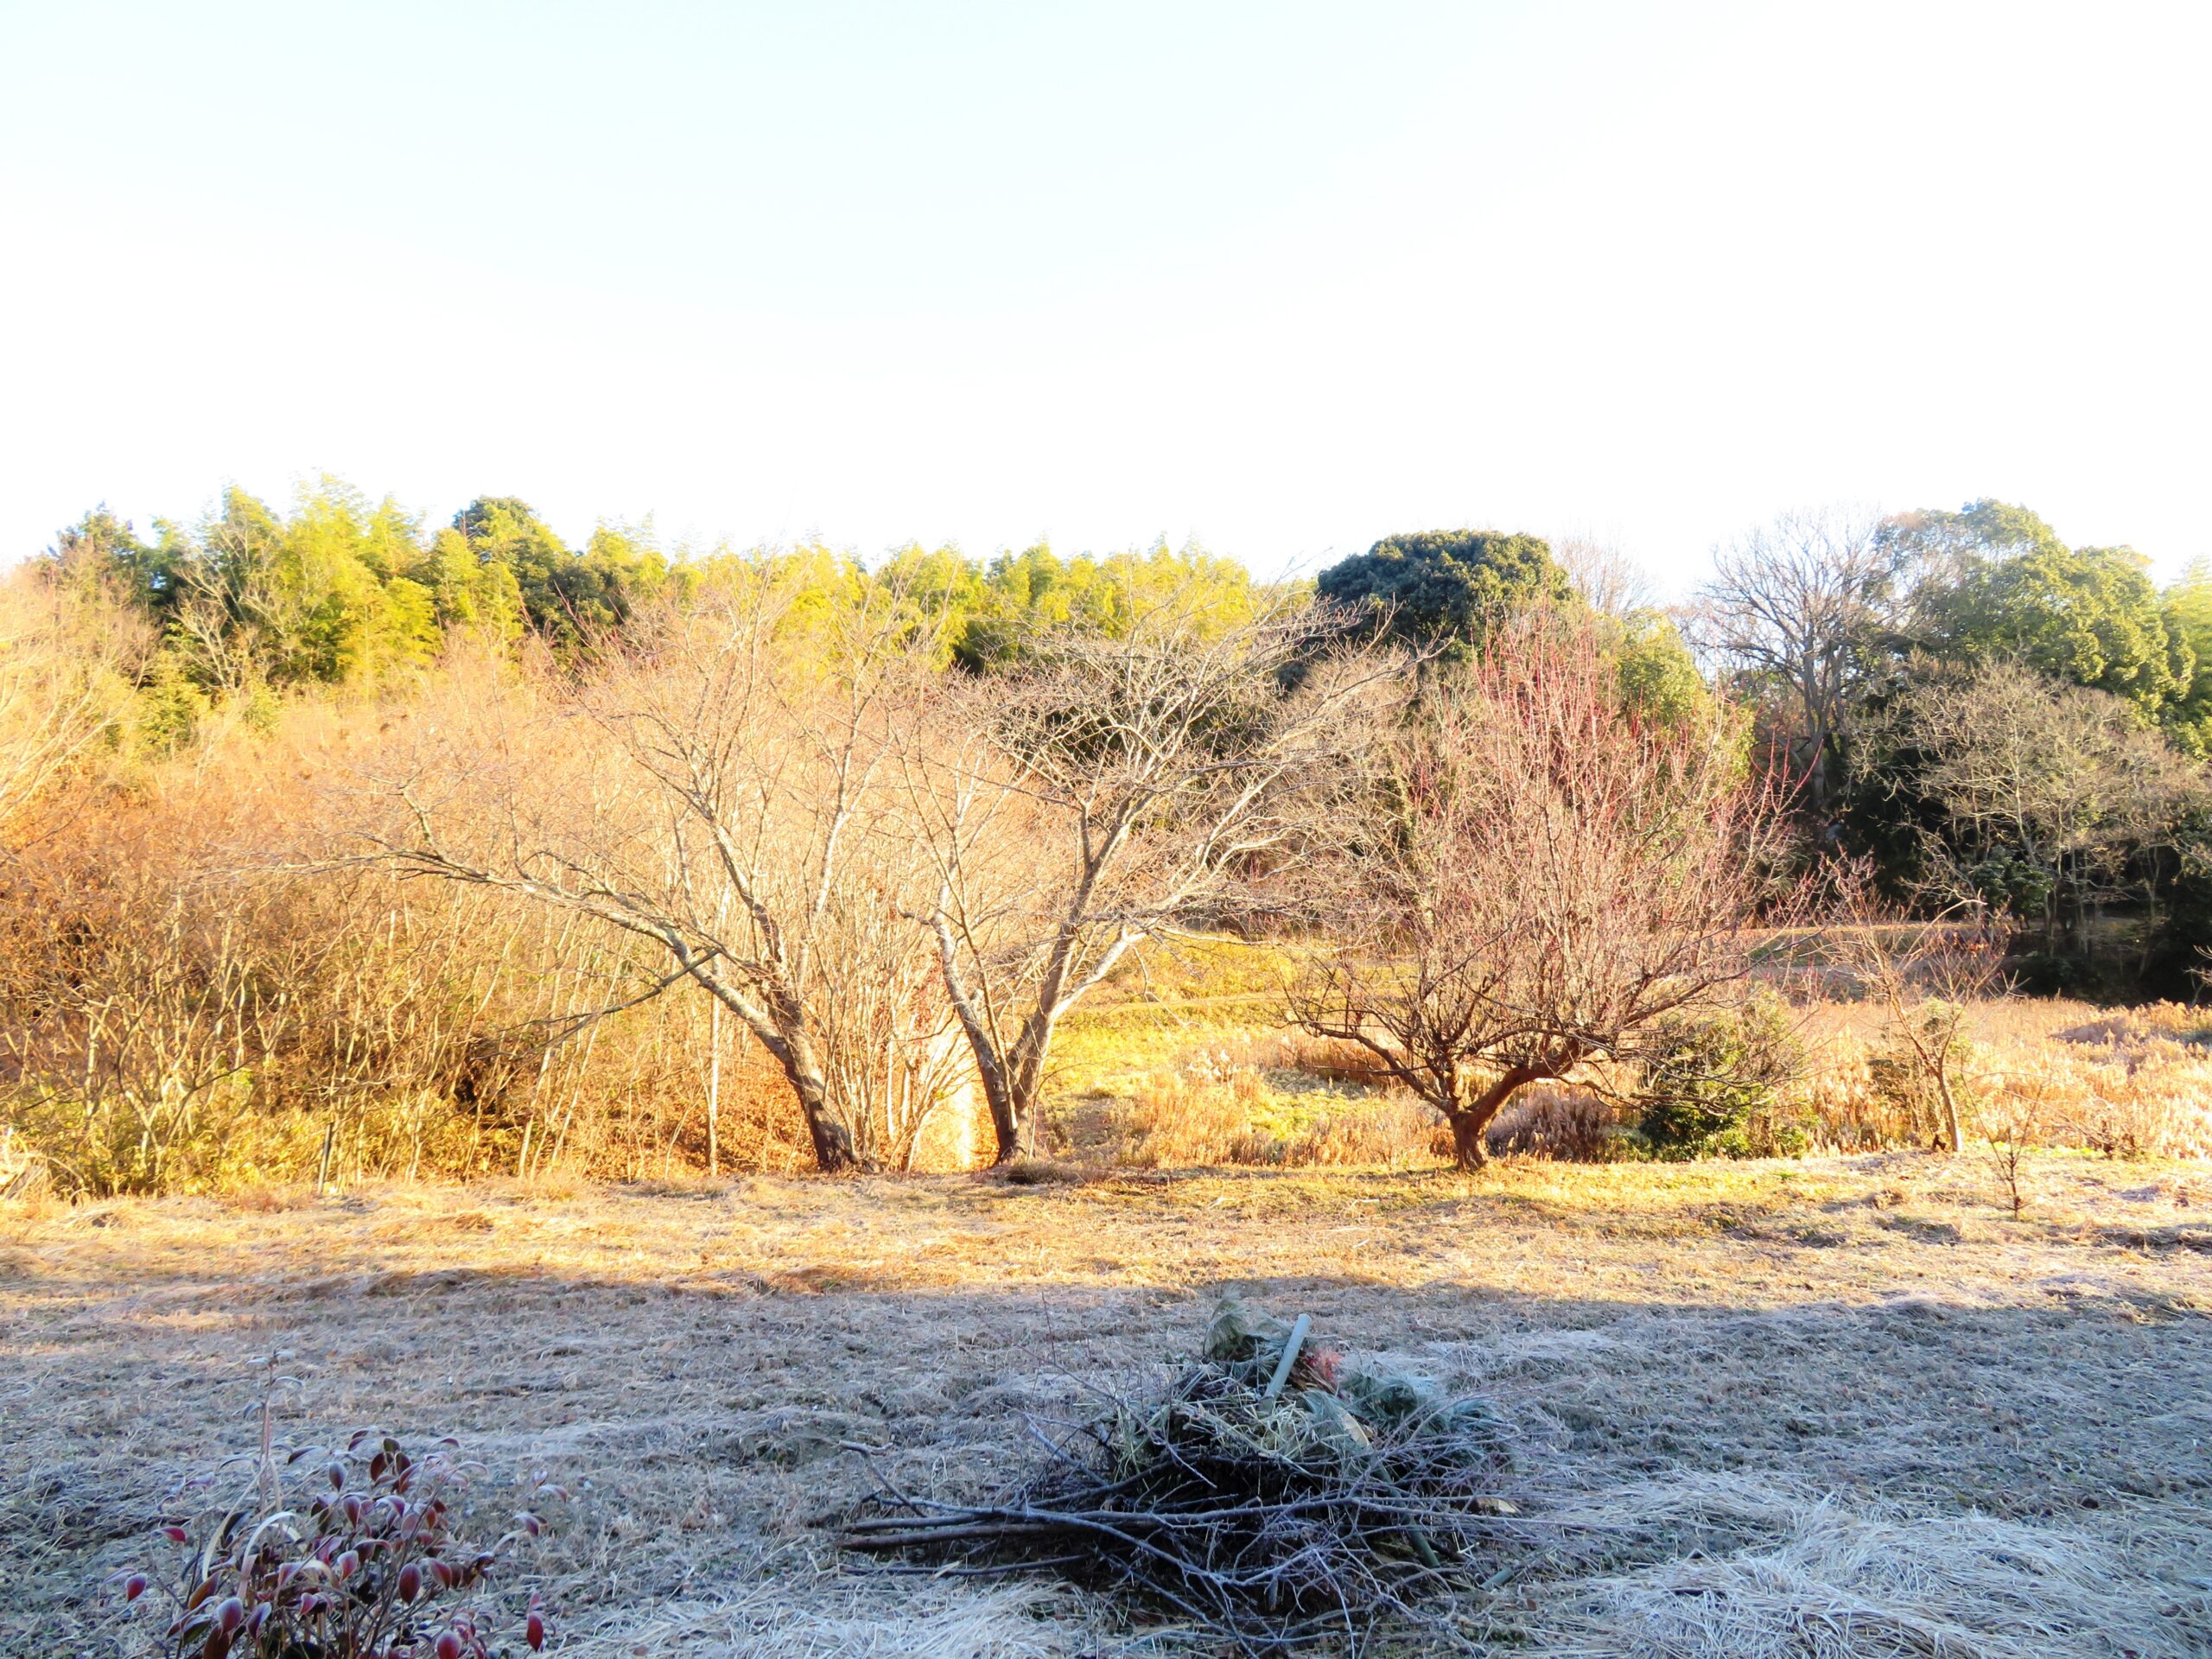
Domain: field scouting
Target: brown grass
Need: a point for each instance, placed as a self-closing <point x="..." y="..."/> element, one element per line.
<point x="1761" y="1397"/>
<point x="2125" y="1082"/>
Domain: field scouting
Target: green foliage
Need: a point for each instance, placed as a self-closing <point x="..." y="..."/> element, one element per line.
<point x="1981" y="530"/>
<point x="1659" y="677"/>
<point x="100" y="551"/>
<point x="2188" y="626"/>
<point x="1712" y="1083"/>
<point x="169" y="708"/>
<point x="566" y="597"/>
<point x="1447" y="588"/>
<point x="2007" y="587"/>
<point x="339" y="591"/>
<point x="997" y="611"/>
<point x="467" y="592"/>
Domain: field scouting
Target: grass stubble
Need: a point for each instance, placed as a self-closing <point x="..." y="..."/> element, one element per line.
<point x="1843" y="1406"/>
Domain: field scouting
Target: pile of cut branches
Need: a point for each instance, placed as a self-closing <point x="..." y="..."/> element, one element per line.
<point x="1274" y="1492"/>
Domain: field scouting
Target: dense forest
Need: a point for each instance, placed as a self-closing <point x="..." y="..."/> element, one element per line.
<point x="333" y="835"/>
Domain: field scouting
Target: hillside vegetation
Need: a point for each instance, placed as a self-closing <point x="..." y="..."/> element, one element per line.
<point x="340" y="848"/>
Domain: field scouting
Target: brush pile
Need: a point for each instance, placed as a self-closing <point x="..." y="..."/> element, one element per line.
<point x="1274" y="1492"/>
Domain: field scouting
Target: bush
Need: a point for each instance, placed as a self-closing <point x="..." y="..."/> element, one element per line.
<point x="1567" y="1124"/>
<point x="1714" y="1083"/>
<point x="354" y="1572"/>
<point x="1916" y="1059"/>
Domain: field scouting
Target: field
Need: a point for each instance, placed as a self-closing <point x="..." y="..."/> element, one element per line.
<point x="1830" y="1405"/>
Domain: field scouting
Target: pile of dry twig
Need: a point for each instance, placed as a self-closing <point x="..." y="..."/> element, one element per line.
<point x="1274" y="1492"/>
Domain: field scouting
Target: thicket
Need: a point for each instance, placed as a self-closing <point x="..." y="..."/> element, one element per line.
<point x="335" y="845"/>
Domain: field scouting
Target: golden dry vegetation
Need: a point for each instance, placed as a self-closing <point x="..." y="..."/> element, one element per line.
<point x="1177" y="1072"/>
<point x="1839" y="1405"/>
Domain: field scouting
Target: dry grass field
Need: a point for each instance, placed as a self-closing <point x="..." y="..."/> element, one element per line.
<point x="1837" y="1406"/>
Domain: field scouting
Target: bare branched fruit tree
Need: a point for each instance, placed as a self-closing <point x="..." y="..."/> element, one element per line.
<point x="1112" y="790"/>
<point x="1541" y="878"/>
<point x="720" y="788"/>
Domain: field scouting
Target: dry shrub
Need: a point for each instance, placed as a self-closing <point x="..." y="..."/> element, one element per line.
<point x="2131" y="1083"/>
<point x="1209" y="1107"/>
<point x="1333" y="1059"/>
<point x="1175" y="1120"/>
<point x="1213" y="1107"/>
<point x="188" y="1003"/>
<point x="1555" y="1121"/>
<point x="1394" y="1129"/>
<point x="63" y="659"/>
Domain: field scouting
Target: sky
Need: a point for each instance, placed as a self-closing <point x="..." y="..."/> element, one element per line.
<point x="1282" y="278"/>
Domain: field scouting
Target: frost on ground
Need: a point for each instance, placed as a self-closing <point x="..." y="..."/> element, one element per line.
<point x="1845" y="1406"/>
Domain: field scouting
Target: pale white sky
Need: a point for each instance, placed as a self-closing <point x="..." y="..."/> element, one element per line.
<point x="1286" y="277"/>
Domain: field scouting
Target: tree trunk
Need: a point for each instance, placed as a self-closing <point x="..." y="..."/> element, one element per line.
<point x="779" y="1022"/>
<point x="787" y="1038"/>
<point x="1470" y="1121"/>
<point x="1014" y="1105"/>
<point x="1001" y="1091"/>
<point x="1953" y="1130"/>
<point x="833" y="1146"/>
<point x="1467" y="1149"/>
<point x="1007" y="1124"/>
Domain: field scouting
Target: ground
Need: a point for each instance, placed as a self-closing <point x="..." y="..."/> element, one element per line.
<point x="1830" y="1405"/>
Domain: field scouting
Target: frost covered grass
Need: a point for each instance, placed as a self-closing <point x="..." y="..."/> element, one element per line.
<point x="1833" y="1386"/>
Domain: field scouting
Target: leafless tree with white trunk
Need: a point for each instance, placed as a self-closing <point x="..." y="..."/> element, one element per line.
<point x="1115" y="789"/>
<point x="721" y="786"/>
<point x="1605" y="578"/>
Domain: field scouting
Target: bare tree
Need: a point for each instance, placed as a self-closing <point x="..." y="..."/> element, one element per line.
<point x="1604" y="578"/>
<point x="1114" y="788"/>
<point x="2045" y="788"/>
<point x="1926" y="973"/>
<point x="55" y="660"/>
<point x="2007" y="1122"/>
<point x="719" y="786"/>
<point x="1795" y="606"/>
<point x="1543" y="878"/>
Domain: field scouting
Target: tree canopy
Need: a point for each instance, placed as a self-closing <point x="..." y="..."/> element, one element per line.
<point x="1447" y="588"/>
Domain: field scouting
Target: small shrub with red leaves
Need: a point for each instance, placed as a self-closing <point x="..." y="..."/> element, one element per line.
<point x="363" y="1563"/>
